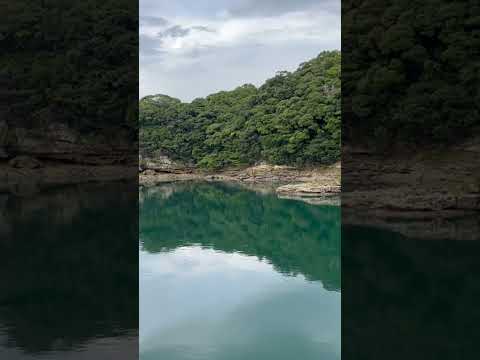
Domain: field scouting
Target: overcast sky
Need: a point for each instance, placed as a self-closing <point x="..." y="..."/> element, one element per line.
<point x="192" y="48"/>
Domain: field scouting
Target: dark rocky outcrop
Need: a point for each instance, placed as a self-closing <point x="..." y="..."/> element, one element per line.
<point x="44" y="155"/>
<point x="60" y="142"/>
<point x="25" y="162"/>
<point x="431" y="193"/>
<point x="415" y="180"/>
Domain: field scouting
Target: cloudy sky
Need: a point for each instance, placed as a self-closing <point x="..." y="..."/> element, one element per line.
<point x="191" y="48"/>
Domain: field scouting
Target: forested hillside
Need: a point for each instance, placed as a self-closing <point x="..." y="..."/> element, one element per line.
<point x="294" y="118"/>
<point x="69" y="84"/>
<point x="69" y="62"/>
<point x="410" y="70"/>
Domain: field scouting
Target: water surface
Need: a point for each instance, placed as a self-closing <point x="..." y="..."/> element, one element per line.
<point x="229" y="274"/>
<point x="69" y="279"/>
<point x="409" y="298"/>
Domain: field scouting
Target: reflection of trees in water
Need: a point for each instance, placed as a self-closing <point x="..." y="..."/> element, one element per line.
<point x="295" y="237"/>
<point x="419" y="297"/>
<point x="69" y="267"/>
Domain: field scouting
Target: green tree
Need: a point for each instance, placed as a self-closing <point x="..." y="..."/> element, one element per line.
<point x="294" y="118"/>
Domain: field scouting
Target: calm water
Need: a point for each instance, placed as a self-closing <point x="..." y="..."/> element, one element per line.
<point x="224" y="274"/>
<point x="229" y="274"/>
<point x="406" y="298"/>
<point x="69" y="274"/>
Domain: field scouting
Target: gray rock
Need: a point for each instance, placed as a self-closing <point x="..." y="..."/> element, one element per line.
<point x="25" y="162"/>
<point x="309" y="189"/>
<point x="58" y="142"/>
<point x="163" y="164"/>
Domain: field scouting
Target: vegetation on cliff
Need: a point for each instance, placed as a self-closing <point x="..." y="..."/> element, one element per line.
<point x="294" y="118"/>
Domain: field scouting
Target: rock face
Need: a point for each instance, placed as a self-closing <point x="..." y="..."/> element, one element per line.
<point x="430" y="180"/>
<point x="26" y="181"/>
<point x="309" y="189"/>
<point x="32" y="157"/>
<point x="428" y="193"/>
<point x="161" y="164"/>
<point x="58" y="142"/>
<point x="267" y="173"/>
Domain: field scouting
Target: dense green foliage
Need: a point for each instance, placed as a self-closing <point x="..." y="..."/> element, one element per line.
<point x="294" y="118"/>
<point x="70" y="62"/>
<point x="410" y="70"/>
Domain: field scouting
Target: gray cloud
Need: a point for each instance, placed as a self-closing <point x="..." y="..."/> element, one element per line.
<point x="153" y="21"/>
<point x="202" y="28"/>
<point x="175" y="31"/>
<point x="151" y="46"/>
<point x="179" y="31"/>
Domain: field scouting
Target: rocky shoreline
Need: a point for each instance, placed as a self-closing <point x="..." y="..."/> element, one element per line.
<point x="429" y="180"/>
<point x="44" y="155"/>
<point x="28" y="181"/>
<point x="319" y="182"/>
<point x="427" y="193"/>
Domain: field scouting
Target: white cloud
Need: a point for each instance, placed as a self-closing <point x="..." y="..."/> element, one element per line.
<point x="195" y="261"/>
<point x="184" y="60"/>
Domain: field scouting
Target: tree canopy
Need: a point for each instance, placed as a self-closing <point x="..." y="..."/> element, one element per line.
<point x="70" y="62"/>
<point x="294" y="118"/>
<point x="410" y="70"/>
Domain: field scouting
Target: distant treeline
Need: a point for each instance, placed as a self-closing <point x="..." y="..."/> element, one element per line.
<point x="294" y="118"/>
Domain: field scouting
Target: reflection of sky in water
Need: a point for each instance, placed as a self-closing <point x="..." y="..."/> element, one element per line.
<point x="203" y="303"/>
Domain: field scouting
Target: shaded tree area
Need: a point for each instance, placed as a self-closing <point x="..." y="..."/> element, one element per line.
<point x="410" y="70"/>
<point x="294" y="118"/>
<point x="69" y="62"/>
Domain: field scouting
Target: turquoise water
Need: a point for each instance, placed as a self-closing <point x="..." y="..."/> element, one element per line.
<point x="229" y="274"/>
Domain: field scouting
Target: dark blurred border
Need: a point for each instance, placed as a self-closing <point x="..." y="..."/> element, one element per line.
<point x="410" y="178"/>
<point x="68" y="179"/>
